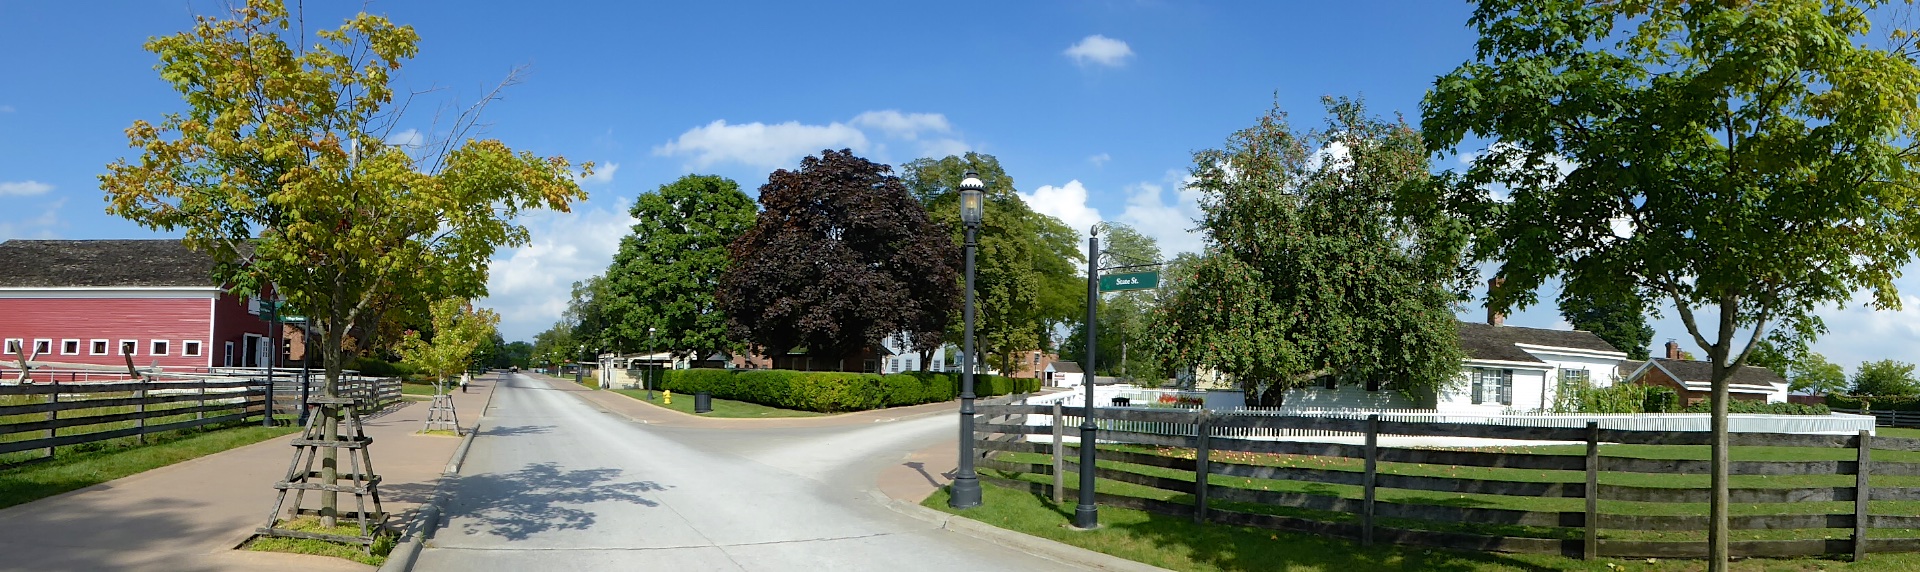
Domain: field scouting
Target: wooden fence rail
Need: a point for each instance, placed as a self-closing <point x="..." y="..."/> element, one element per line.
<point x="1191" y="452"/>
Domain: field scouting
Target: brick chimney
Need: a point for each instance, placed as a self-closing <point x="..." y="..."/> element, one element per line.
<point x="1673" y="349"/>
<point x="1494" y="318"/>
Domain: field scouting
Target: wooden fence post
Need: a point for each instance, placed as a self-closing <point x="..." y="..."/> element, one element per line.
<point x="53" y="415"/>
<point x="1860" y="495"/>
<point x="202" y="405"/>
<point x="1373" y="453"/>
<point x="142" y="395"/>
<point x="1059" y="455"/>
<point x="1201" y="445"/>
<point x="1591" y="550"/>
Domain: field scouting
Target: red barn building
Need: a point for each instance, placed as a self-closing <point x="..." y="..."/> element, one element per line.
<point x="83" y="301"/>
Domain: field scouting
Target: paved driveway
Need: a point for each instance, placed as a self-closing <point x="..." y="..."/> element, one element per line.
<point x="554" y="483"/>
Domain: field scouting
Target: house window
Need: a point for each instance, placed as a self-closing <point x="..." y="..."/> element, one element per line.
<point x="190" y="348"/>
<point x="12" y="346"/>
<point x="228" y="360"/>
<point x="98" y="347"/>
<point x="129" y="347"/>
<point x="1492" y="386"/>
<point x="159" y="347"/>
<point x="1572" y="380"/>
<point x="69" y="347"/>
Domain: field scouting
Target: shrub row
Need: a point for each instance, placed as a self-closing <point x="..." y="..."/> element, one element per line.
<point x="1743" y="406"/>
<point x="1875" y="402"/>
<point x="834" y="392"/>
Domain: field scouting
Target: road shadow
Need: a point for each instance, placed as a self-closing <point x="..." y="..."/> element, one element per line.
<point x="504" y="431"/>
<point x="921" y="468"/>
<point x="538" y="498"/>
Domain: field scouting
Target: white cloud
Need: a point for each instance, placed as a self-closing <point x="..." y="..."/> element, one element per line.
<point x="1066" y="202"/>
<point x="903" y="125"/>
<point x="1100" y="160"/>
<point x="1167" y="217"/>
<point x="761" y="145"/>
<point x="411" y="138"/>
<point x="530" y="285"/>
<point x="602" y="173"/>
<point x="1100" y="50"/>
<point x="782" y="145"/>
<point x="23" y="188"/>
<point x="38" y="227"/>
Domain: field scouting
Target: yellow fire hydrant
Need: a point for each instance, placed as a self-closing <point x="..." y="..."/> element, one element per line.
<point x="669" y="397"/>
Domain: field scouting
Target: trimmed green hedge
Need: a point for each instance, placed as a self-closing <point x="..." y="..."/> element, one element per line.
<point x="1875" y="402"/>
<point x="834" y="392"/>
<point x="1744" y="406"/>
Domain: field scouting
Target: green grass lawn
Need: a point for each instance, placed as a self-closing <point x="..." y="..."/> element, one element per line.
<point x="721" y="407"/>
<point x="425" y="389"/>
<point x="1180" y="544"/>
<point x="75" y="469"/>
<point x="383" y="542"/>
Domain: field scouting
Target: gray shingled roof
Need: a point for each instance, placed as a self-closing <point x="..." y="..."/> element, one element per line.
<point x="102" y="263"/>
<point x="1701" y="372"/>
<point x="1066" y="367"/>
<point x="1488" y="342"/>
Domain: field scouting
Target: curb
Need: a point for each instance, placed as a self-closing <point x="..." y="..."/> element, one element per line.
<point x="408" y="551"/>
<point x="1041" y="547"/>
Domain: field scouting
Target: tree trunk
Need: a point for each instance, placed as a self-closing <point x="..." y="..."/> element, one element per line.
<point x="1717" y="511"/>
<point x="330" y="426"/>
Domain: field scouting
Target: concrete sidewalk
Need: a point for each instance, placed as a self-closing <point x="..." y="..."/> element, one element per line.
<point x="911" y="479"/>
<point x="189" y="516"/>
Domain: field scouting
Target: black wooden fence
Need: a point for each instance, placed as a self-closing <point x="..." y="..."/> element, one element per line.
<point x="64" y="414"/>
<point x="1198" y="439"/>
<point x="1888" y="418"/>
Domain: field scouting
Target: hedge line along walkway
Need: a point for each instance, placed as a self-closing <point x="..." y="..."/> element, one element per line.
<point x="190" y="515"/>
<point x="554" y="482"/>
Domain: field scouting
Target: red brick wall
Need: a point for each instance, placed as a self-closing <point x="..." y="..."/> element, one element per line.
<point x="143" y="320"/>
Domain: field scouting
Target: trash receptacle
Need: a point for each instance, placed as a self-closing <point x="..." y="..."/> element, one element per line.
<point x="702" y="402"/>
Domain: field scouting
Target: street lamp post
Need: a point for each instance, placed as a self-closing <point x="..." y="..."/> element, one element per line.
<point x="1086" y="515"/>
<point x="966" y="483"/>
<point x="580" y="369"/>
<point x="649" y="371"/>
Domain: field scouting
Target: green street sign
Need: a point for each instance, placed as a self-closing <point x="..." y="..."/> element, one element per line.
<point x="1129" y="281"/>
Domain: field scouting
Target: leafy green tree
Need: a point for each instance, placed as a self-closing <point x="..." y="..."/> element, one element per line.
<point x="592" y="313"/>
<point x="1619" y="319"/>
<point x="1751" y="159"/>
<point x="842" y="257"/>
<point x="1768" y="354"/>
<point x="665" y="274"/>
<point x="278" y="169"/>
<point x="555" y="346"/>
<point x="1323" y="259"/>
<point x="458" y="331"/>
<point x="1815" y="375"/>
<point x="515" y="354"/>
<point x="1885" y="377"/>
<point x="1024" y="279"/>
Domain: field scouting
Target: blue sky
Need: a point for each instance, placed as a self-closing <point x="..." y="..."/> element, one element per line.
<point x="1094" y="107"/>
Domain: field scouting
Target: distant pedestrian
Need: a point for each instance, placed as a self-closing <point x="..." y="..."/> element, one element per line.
<point x="464" y="379"/>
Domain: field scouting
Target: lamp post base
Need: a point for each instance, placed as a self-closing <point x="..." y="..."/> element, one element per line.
<point x="1086" y="517"/>
<point x="966" y="493"/>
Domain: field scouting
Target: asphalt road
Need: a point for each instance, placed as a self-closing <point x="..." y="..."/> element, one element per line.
<point x="553" y="483"/>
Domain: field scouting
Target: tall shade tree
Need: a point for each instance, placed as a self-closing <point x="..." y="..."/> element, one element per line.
<point x="1813" y="374"/>
<point x="1024" y="280"/>
<point x="1620" y="318"/>
<point x="1884" y="378"/>
<point x="593" y="314"/>
<point x="664" y="276"/>
<point x="1743" y="162"/>
<point x="459" y="330"/>
<point x="278" y="170"/>
<point x="1326" y="257"/>
<point x="841" y="257"/>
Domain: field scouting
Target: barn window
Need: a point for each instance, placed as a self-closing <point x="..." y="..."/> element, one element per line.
<point x="129" y="348"/>
<point x="69" y="347"/>
<point x="11" y="346"/>
<point x="99" y="347"/>
<point x="190" y="348"/>
<point x="159" y="347"/>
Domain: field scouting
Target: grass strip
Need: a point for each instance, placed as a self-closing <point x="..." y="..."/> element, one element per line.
<point x="76" y="469"/>
<point x="725" y="408"/>
<point x="1178" y="543"/>
<point x="382" y="544"/>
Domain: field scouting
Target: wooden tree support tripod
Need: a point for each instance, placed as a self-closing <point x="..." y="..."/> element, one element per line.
<point x="358" y="480"/>
<point x="441" y="414"/>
